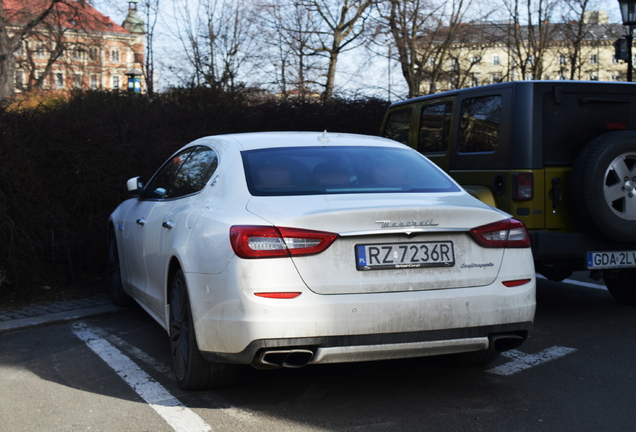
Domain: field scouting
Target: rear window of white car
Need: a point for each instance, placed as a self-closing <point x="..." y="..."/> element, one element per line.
<point x="341" y="170"/>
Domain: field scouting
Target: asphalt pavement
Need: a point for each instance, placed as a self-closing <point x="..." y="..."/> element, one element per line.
<point x="55" y="312"/>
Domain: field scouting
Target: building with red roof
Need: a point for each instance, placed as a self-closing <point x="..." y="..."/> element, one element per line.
<point x="75" y="46"/>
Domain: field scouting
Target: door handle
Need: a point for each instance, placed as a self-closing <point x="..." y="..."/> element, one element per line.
<point x="168" y="224"/>
<point x="141" y="222"/>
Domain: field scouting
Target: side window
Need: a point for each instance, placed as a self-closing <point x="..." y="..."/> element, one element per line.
<point x="397" y="126"/>
<point x="194" y="173"/>
<point x="479" y="126"/>
<point x="160" y="183"/>
<point x="435" y="128"/>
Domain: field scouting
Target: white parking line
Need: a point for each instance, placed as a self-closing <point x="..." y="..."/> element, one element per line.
<point x="179" y="417"/>
<point x="521" y="361"/>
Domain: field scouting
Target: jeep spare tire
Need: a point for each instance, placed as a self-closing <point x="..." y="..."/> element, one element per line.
<point x="603" y="183"/>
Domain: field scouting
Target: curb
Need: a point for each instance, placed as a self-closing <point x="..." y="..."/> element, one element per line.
<point x="56" y="312"/>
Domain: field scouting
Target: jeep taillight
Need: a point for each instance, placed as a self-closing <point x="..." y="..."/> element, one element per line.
<point x="250" y="241"/>
<point x="522" y="186"/>
<point x="508" y="233"/>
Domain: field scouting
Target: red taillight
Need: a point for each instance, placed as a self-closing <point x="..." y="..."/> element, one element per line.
<point x="278" y="295"/>
<point x="517" y="282"/>
<point x="509" y="233"/>
<point x="522" y="186"/>
<point x="274" y="242"/>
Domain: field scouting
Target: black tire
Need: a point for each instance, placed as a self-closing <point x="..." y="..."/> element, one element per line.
<point x="113" y="270"/>
<point x="621" y="283"/>
<point x="193" y="372"/>
<point x="602" y="186"/>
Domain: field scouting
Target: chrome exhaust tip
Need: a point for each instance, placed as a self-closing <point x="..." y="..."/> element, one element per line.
<point x="295" y="358"/>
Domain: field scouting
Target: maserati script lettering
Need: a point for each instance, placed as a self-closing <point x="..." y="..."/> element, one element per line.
<point x="406" y="224"/>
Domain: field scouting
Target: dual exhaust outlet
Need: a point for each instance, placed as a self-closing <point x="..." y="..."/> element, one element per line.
<point x="297" y="358"/>
<point x="294" y="358"/>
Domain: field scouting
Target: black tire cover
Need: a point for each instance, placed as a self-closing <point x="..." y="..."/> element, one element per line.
<point x="602" y="186"/>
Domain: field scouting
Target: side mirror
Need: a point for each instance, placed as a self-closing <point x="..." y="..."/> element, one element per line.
<point x="135" y="187"/>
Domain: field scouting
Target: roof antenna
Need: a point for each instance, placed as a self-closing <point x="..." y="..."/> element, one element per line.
<point x="324" y="138"/>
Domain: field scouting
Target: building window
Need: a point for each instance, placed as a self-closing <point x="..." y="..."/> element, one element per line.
<point x="93" y="82"/>
<point x="77" y="54"/>
<point x="93" y="53"/>
<point x="530" y="60"/>
<point x="495" y="78"/>
<point x="593" y="59"/>
<point x="431" y="62"/>
<point x="615" y="77"/>
<point x="114" y="55"/>
<point x="19" y="79"/>
<point x="40" y="51"/>
<point x="593" y="77"/>
<point x="20" y="50"/>
<point x="59" y="80"/>
<point x="138" y="58"/>
<point x="496" y="61"/>
<point x="77" y="81"/>
<point x="563" y="60"/>
<point x="528" y="77"/>
<point x="115" y="83"/>
<point x="475" y="60"/>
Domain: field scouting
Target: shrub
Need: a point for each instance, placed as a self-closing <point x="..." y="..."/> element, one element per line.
<point x="64" y="165"/>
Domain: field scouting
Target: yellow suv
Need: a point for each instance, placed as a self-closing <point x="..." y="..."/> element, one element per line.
<point x="558" y="155"/>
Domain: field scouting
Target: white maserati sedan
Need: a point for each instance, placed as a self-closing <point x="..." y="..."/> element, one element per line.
<point x="285" y="249"/>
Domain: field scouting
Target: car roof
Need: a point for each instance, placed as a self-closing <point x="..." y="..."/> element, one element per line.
<point x="261" y="140"/>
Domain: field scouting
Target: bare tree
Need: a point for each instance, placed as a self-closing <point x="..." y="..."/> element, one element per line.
<point x="151" y="11"/>
<point x="288" y="34"/>
<point x="217" y="39"/>
<point x="340" y="25"/>
<point x="530" y="33"/>
<point x="427" y="36"/>
<point x="16" y="26"/>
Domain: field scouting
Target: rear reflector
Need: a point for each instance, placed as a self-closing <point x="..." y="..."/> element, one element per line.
<point x="514" y="283"/>
<point x="251" y="242"/>
<point x="278" y="295"/>
<point x="615" y="126"/>
<point x="508" y="233"/>
<point x="522" y="186"/>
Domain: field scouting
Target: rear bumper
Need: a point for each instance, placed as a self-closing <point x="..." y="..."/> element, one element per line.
<point x="235" y="325"/>
<point x="342" y="349"/>
<point x="570" y="248"/>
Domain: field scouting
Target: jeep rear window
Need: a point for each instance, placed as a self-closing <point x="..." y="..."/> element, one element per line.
<point x="341" y="170"/>
<point x="479" y="126"/>
<point x="435" y="128"/>
<point x="397" y="126"/>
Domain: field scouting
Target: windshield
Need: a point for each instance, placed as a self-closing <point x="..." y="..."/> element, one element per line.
<point x="341" y="170"/>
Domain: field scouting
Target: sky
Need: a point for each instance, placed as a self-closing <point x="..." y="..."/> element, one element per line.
<point x="355" y="75"/>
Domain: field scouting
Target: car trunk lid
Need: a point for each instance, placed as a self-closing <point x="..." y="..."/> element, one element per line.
<point x="408" y="243"/>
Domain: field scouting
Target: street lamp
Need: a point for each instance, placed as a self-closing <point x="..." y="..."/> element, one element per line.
<point x="628" y="13"/>
<point x="134" y="80"/>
